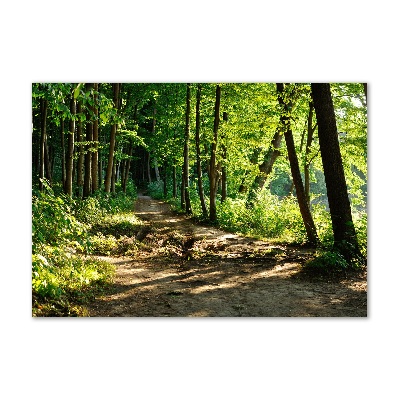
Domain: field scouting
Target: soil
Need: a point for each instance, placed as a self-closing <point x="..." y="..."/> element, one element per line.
<point x="184" y="269"/>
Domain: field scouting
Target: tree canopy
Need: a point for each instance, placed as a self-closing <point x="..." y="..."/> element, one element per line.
<point x="215" y="149"/>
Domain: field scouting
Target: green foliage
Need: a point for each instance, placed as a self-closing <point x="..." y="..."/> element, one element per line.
<point x="62" y="279"/>
<point x="360" y="224"/>
<point x="156" y="189"/>
<point x="53" y="221"/>
<point x="63" y="230"/>
<point x="269" y="217"/>
<point x="327" y="263"/>
<point x="115" y="235"/>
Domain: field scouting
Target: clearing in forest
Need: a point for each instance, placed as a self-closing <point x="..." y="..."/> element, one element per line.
<point x="187" y="270"/>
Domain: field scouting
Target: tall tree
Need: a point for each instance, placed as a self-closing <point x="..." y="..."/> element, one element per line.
<point x="43" y="134"/>
<point x="213" y="158"/>
<point x="307" y="159"/>
<point x="70" y="149"/>
<point x="89" y="138"/>
<point x="224" y="183"/>
<point x="185" y="175"/>
<point x="81" y="153"/>
<point x="344" y="233"/>
<point x="63" y="172"/>
<point x="284" y="101"/>
<point x="95" y="153"/>
<point x="109" y="172"/>
<point x="365" y="91"/>
<point x="198" y="158"/>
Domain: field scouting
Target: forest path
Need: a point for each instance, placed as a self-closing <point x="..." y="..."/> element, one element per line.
<point x="186" y="269"/>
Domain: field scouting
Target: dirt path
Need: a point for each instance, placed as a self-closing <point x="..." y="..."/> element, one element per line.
<point x="186" y="269"/>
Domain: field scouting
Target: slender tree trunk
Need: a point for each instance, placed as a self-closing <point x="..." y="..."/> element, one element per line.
<point x="342" y="222"/>
<point x="165" y="176"/>
<point x="95" y="153"/>
<point x="113" y="175"/>
<point x="70" y="150"/>
<point x="185" y="177"/>
<point x="88" y="155"/>
<point x="79" y="175"/>
<point x="63" y="171"/>
<point x="224" y="184"/>
<point x="43" y="118"/>
<point x="47" y="165"/>
<point x="156" y="170"/>
<point x="127" y="168"/>
<point x="265" y="168"/>
<point x="129" y="160"/>
<point x="307" y="161"/>
<point x="294" y="167"/>
<point x="122" y="169"/>
<point x="213" y="165"/>
<point x="148" y="167"/>
<point x="113" y="134"/>
<point x="365" y="92"/>
<point x="198" y="159"/>
<point x="183" y="203"/>
<point x="174" y="183"/>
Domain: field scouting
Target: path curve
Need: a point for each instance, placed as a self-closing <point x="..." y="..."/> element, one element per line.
<point x="186" y="269"/>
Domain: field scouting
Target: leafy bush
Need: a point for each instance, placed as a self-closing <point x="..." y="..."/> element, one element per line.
<point x="269" y="217"/>
<point x="61" y="227"/>
<point x="53" y="222"/>
<point x="328" y="262"/>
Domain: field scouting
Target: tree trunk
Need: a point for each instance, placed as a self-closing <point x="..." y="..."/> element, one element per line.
<point x="307" y="162"/>
<point x="148" y="167"/>
<point x="312" y="235"/>
<point x="156" y="170"/>
<point x="88" y="154"/>
<point x="174" y="183"/>
<point x="113" y="175"/>
<point x="342" y="222"/>
<point x="265" y="168"/>
<point x="223" y="182"/>
<point x="95" y="153"/>
<point x="365" y="92"/>
<point x="213" y="166"/>
<point x="165" y="176"/>
<point x="70" y="150"/>
<point x="79" y="175"/>
<point x="47" y="165"/>
<point x="127" y="168"/>
<point x="198" y="159"/>
<point x="129" y="160"/>
<point x="43" y="118"/>
<point x="63" y="172"/>
<point x="113" y="134"/>
<point x="185" y="177"/>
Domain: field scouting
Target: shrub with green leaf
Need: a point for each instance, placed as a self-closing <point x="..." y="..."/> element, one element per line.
<point x="63" y="231"/>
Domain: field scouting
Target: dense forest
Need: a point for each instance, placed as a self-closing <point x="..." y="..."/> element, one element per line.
<point x="284" y="162"/>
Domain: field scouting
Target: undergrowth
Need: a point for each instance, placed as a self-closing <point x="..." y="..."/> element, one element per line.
<point x="278" y="219"/>
<point x="66" y="235"/>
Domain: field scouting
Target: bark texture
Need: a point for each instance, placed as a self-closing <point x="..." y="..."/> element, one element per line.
<point x="311" y="230"/>
<point x="213" y="165"/>
<point x="342" y="222"/>
<point x="198" y="159"/>
<point x="70" y="149"/>
<point x="88" y="154"/>
<point x="113" y="134"/>
<point x="185" y="175"/>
